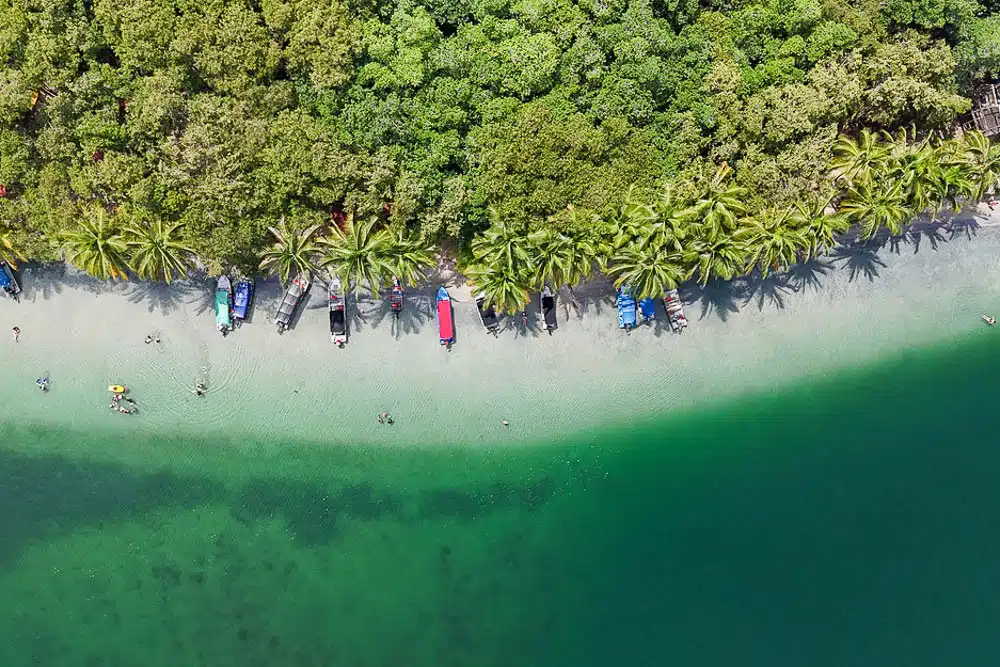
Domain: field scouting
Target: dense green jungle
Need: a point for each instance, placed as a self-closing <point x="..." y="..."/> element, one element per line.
<point x="534" y="140"/>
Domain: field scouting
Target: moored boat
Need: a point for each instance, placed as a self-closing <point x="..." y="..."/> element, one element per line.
<point x="223" y="305"/>
<point x="488" y="315"/>
<point x="647" y="309"/>
<point x="338" y="314"/>
<point x="8" y="281"/>
<point x="547" y="302"/>
<point x="396" y="298"/>
<point x="675" y="311"/>
<point x="626" y="310"/>
<point x="290" y="301"/>
<point x="446" y="327"/>
<point x="242" y="299"/>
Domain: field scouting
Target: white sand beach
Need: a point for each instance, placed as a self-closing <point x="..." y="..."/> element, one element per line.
<point x="853" y="307"/>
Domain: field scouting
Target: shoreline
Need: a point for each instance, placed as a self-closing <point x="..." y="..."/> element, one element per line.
<point x="746" y="335"/>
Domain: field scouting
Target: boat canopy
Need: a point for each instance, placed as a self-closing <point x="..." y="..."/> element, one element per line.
<point x="647" y="307"/>
<point x="446" y="329"/>
<point x="626" y="309"/>
<point x="222" y="308"/>
<point x="290" y="301"/>
<point x="241" y="300"/>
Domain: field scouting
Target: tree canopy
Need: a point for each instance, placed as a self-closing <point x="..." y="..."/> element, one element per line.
<point x="224" y="119"/>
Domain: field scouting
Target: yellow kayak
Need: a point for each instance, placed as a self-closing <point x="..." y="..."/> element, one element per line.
<point x="117" y="389"/>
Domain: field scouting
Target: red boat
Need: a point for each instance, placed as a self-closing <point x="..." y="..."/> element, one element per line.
<point x="446" y="329"/>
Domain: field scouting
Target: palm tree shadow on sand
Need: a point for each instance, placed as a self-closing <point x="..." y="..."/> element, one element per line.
<point x="717" y="297"/>
<point x="168" y="298"/>
<point x="770" y="289"/>
<point x="860" y="259"/>
<point x="807" y="275"/>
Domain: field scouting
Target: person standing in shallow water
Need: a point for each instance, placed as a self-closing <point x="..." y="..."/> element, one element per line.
<point x="16" y="333"/>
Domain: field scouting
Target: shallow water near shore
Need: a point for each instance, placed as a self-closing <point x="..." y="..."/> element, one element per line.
<point x="845" y="520"/>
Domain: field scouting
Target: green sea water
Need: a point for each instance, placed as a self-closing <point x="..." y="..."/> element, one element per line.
<point x="851" y="519"/>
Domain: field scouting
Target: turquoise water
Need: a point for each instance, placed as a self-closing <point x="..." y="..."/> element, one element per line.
<point x="849" y="520"/>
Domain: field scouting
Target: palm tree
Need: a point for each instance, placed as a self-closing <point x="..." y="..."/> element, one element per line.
<point x="821" y="229"/>
<point x="97" y="247"/>
<point x="630" y="220"/>
<point x="670" y="227"/>
<point x="774" y="241"/>
<point x="984" y="159"/>
<point x="858" y="159"/>
<point x="723" y="257"/>
<point x="649" y="272"/>
<point x="408" y="256"/>
<point x="504" y="289"/>
<point x="12" y="250"/>
<point x="502" y="245"/>
<point x="719" y="207"/>
<point x="567" y="255"/>
<point x="359" y="254"/>
<point x="952" y="184"/>
<point x="874" y="205"/>
<point x="293" y="251"/>
<point x="156" y="252"/>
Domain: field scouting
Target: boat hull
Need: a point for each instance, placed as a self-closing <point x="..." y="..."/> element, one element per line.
<point x="338" y="314"/>
<point x="242" y="300"/>
<point x="446" y="327"/>
<point x="626" y="310"/>
<point x="290" y="302"/>
<point x="547" y="302"/>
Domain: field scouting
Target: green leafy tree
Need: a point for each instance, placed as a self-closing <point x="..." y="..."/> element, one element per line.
<point x="876" y="205"/>
<point x="503" y="288"/>
<point x="722" y="256"/>
<point x="647" y="271"/>
<point x="97" y="246"/>
<point x="983" y="158"/>
<point x="293" y="252"/>
<point x="11" y="250"/>
<point x="409" y="256"/>
<point x="718" y="206"/>
<point x="359" y="254"/>
<point x="157" y="252"/>
<point x="820" y="228"/>
<point x="774" y="241"/>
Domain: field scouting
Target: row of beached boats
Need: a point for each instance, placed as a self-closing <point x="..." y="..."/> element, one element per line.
<point x="233" y="305"/>
<point x="631" y="311"/>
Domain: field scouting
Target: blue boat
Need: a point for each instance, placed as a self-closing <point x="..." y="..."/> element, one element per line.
<point x="626" y="310"/>
<point x="8" y="281"/>
<point x="647" y="308"/>
<point x="446" y="328"/>
<point x="242" y="299"/>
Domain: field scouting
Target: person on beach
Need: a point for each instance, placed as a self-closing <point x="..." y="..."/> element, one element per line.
<point x="16" y="332"/>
